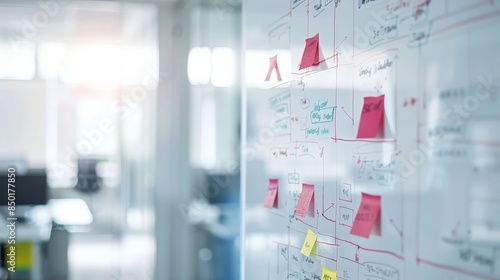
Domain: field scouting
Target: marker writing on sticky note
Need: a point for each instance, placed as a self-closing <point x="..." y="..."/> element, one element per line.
<point x="310" y="57"/>
<point x="272" y="194"/>
<point x="309" y="245"/>
<point x="305" y="199"/>
<point x="368" y="215"/>
<point x="273" y="65"/>
<point x="372" y="117"/>
<point x="328" y="274"/>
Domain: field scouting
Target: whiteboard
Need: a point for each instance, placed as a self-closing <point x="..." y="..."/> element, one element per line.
<point x="435" y="165"/>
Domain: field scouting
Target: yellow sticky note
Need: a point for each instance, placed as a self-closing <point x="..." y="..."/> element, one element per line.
<point x="23" y="255"/>
<point x="309" y="245"/>
<point x="328" y="274"/>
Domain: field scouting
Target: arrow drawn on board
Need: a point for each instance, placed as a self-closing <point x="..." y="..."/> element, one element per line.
<point x="395" y="227"/>
<point x="340" y="44"/>
<point x="328" y="208"/>
<point x="347" y="114"/>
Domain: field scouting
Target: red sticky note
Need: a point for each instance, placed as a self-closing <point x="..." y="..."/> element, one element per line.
<point x="273" y="65"/>
<point x="368" y="215"/>
<point x="305" y="199"/>
<point x="310" y="57"/>
<point x="272" y="194"/>
<point x="372" y="117"/>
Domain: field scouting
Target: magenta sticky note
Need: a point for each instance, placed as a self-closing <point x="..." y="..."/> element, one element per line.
<point x="371" y="122"/>
<point x="310" y="57"/>
<point x="272" y="194"/>
<point x="305" y="199"/>
<point x="368" y="215"/>
<point x="273" y="65"/>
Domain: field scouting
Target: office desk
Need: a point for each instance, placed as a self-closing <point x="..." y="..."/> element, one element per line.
<point x="69" y="215"/>
<point x="36" y="229"/>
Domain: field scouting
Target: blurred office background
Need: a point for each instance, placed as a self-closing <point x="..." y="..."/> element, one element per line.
<point x="132" y="110"/>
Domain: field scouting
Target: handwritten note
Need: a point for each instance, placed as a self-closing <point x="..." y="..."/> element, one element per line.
<point x="305" y="200"/>
<point x="368" y="215"/>
<point x="328" y="274"/>
<point x="273" y="65"/>
<point x="372" y="117"/>
<point x="310" y="57"/>
<point x="309" y="246"/>
<point x="272" y="194"/>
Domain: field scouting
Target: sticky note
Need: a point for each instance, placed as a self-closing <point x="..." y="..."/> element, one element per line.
<point x="273" y="65"/>
<point x="272" y="194"/>
<point x="372" y="117"/>
<point x="310" y="57"/>
<point x="309" y="245"/>
<point x="328" y="274"/>
<point x="23" y="251"/>
<point x="368" y="215"/>
<point x="305" y="200"/>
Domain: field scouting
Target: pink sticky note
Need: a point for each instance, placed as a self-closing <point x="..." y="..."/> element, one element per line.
<point x="310" y="57"/>
<point x="368" y="215"/>
<point x="273" y="65"/>
<point x="372" y="117"/>
<point x="272" y="194"/>
<point x="305" y="199"/>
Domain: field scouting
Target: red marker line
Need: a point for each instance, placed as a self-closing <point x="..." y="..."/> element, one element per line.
<point x="373" y="250"/>
<point x="280" y="18"/>
<point x="365" y="140"/>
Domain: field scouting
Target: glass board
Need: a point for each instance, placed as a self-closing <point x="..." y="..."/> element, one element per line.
<point x="375" y="125"/>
